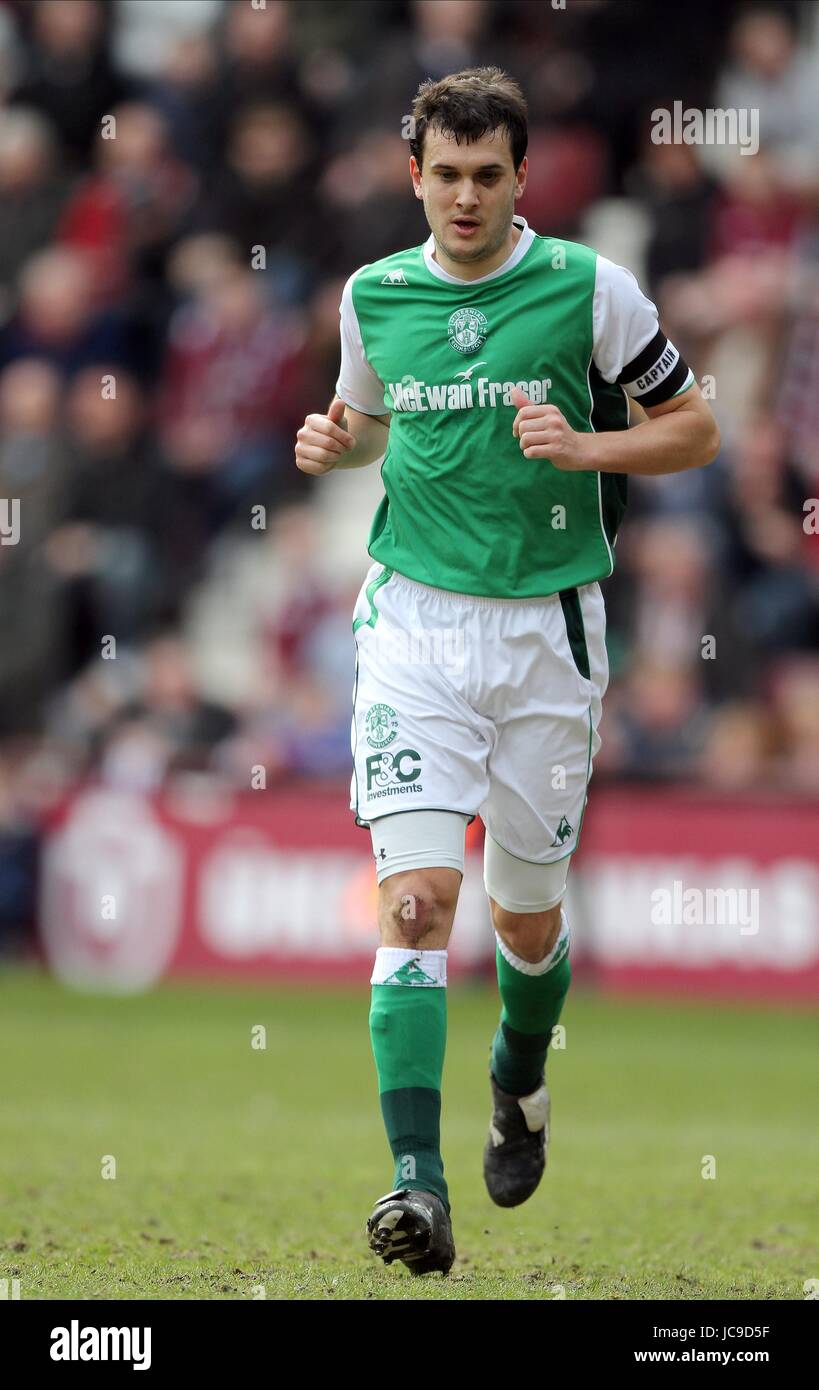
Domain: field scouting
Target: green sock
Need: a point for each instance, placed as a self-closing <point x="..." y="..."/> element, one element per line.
<point x="408" y="1033"/>
<point x="532" y="1005"/>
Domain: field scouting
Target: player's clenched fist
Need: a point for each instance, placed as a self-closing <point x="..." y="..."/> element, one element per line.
<point x="544" y="433"/>
<point x="323" y="440"/>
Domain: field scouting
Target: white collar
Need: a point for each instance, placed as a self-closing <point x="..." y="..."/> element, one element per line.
<point x="524" y="242"/>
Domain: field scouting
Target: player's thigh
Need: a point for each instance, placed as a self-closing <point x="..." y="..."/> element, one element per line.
<point x="417" y="743"/>
<point x="419" y="857"/>
<point x="541" y="763"/>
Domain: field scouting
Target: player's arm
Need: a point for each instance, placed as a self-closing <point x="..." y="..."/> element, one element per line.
<point x="677" y="434"/>
<point x="370" y="433"/>
<point x="343" y="438"/>
<point x="683" y="429"/>
<point x="675" y="429"/>
<point x="348" y="436"/>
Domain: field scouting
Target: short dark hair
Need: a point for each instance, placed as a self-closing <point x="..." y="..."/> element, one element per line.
<point x="469" y="104"/>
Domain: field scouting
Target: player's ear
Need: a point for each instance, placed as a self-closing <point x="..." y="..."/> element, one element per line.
<point x="415" y="175"/>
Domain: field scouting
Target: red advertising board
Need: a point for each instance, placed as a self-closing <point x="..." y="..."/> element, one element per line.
<point x="669" y="891"/>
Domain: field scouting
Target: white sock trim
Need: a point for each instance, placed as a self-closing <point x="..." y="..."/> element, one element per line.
<point x="426" y="969"/>
<point x="527" y="967"/>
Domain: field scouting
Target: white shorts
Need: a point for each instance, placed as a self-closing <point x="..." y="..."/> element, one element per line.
<point x="485" y="706"/>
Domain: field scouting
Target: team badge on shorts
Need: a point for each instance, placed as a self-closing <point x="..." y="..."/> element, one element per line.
<point x="381" y="725"/>
<point x="467" y="330"/>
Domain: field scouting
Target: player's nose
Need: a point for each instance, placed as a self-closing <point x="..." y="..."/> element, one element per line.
<point x="467" y="196"/>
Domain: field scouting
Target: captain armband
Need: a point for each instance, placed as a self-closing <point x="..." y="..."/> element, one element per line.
<point x="657" y="373"/>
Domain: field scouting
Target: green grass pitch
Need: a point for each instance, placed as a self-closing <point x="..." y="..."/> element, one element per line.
<point x="240" y="1170"/>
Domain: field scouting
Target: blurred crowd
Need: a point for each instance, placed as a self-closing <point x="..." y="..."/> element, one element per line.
<point x="184" y="187"/>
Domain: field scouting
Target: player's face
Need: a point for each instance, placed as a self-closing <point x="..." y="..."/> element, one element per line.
<point x="469" y="192"/>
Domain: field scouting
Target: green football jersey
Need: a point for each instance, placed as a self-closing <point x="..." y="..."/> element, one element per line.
<point x="463" y="509"/>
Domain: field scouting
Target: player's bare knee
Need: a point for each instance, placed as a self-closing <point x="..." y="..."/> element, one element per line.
<point x="530" y="935"/>
<point x="412" y="917"/>
<point x="417" y="908"/>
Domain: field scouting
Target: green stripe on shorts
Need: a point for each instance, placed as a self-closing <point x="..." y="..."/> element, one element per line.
<point x="371" y="592"/>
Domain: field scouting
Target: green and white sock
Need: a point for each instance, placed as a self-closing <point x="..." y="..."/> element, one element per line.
<point x="408" y="1034"/>
<point x="532" y="997"/>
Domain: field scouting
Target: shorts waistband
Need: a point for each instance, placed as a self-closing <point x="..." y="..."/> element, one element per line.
<point x="476" y="600"/>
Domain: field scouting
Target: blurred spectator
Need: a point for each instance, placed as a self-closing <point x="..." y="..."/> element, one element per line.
<point x="678" y="619"/>
<point x="755" y="212"/>
<point x="263" y="195"/>
<point x="796" y="707"/>
<point x="738" y="749"/>
<point x="32" y="466"/>
<point x="568" y="172"/>
<point x="32" y="192"/>
<point x="226" y="407"/>
<point x="797" y="404"/>
<point x="769" y="74"/>
<point x="11" y="54"/>
<point x="655" y="722"/>
<point x="18" y="860"/>
<point x="444" y="36"/>
<point x="364" y="198"/>
<point x="778" y="598"/>
<point x="315" y="368"/>
<point x="68" y="74"/>
<point x="607" y="65"/>
<point x="56" y="318"/>
<point x="148" y="30"/>
<point x="259" y="57"/>
<point x="126" y="215"/>
<point x="187" y="93"/>
<point x="111" y="551"/>
<point x="271" y="635"/>
<point x="679" y="198"/>
<point x="168" y="727"/>
<point x="31" y="481"/>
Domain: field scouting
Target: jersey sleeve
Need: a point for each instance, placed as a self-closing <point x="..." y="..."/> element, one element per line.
<point x="358" y="385"/>
<point x="630" y="348"/>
